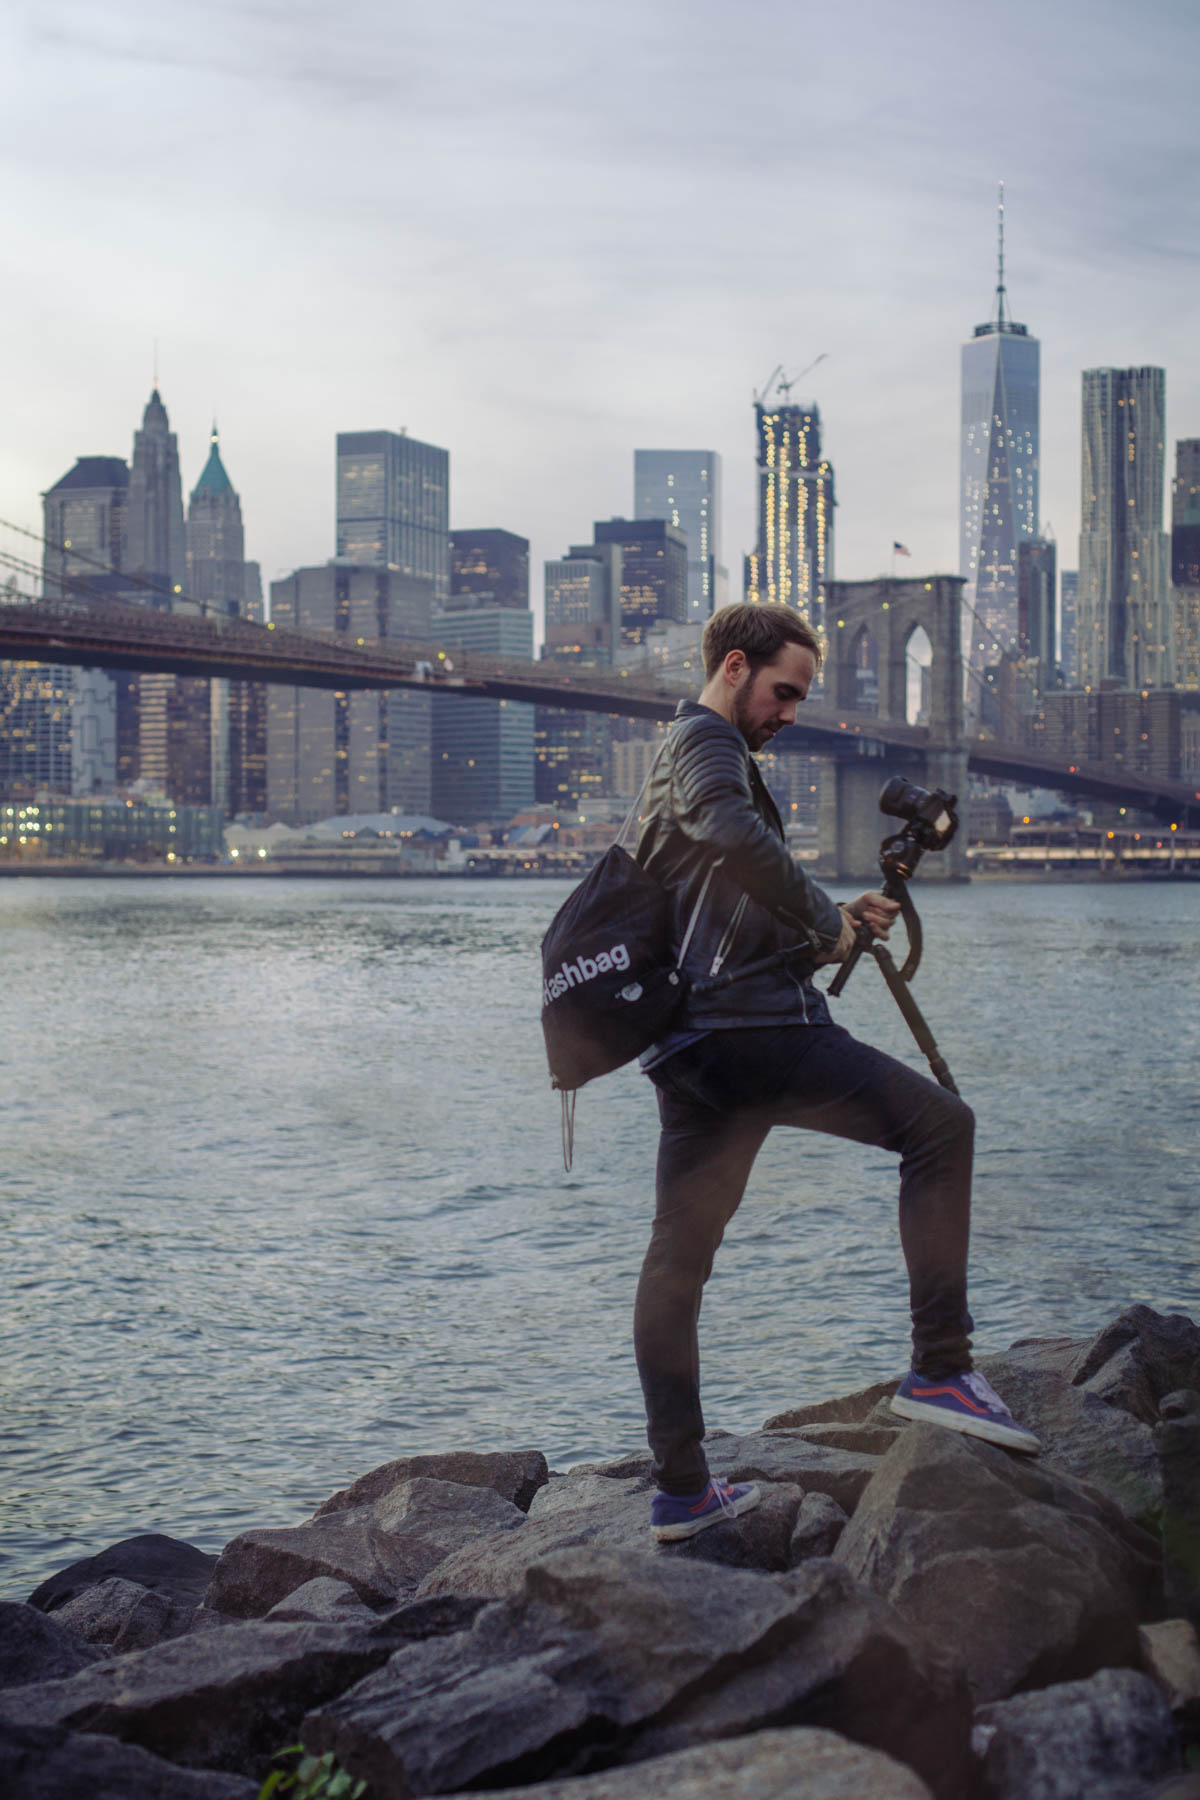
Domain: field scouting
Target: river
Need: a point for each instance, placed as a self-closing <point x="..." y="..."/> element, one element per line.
<point x="282" y="1194"/>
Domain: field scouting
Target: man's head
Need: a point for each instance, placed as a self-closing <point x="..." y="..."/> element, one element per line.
<point x="759" y="662"/>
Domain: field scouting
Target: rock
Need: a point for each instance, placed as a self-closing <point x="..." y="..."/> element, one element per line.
<point x="791" y="1456"/>
<point x="227" y="1699"/>
<point x="35" y="1648"/>
<point x="165" y="1565"/>
<point x="1080" y="1433"/>
<point x="819" y="1524"/>
<point x="1177" y="1442"/>
<point x="613" y="1657"/>
<point x="585" y="1508"/>
<point x="1024" y="1575"/>
<point x="122" y="1615"/>
<point x="39" y="1762"/>
<point x="850" y="1409"/>
<point x="383" y="1549"/>
<point x="1108" y="1735"/>
<point x="802" y="1764"/>
<point x="322" y="1601"/>
<point x="1139" y="1359"/>
<point x="1170" y="1655"/>
<point x="872" y="1438"/>
<point x="516" y="1475"/>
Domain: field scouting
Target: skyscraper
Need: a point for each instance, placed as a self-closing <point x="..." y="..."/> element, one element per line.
<point x="482" y="749"/>
<point x="1068" y="599"/>
<point x="156" y="546"/>
<point x="393" y="505"/>
<point x="684" y="488"/>
<point x="998" y="477"/>
<point x="1124" y="631"/>
<point x="573" y="749"/>
<point x="793" y="558"/>
<point x="654" y="572"/>
<point x="330" y="753"/>
<point x="217" y="582"/>
<point x="1037" y="639"/>
<point x="84" y="518"/>
<point x="488" y="568"/>
<point x="1185" y="561"/>
<point x="174" y="712"/>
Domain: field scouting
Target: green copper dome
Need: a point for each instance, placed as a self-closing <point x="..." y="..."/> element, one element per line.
<point x="214" y="480"/>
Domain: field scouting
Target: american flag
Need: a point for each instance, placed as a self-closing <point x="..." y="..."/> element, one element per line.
<point x="900" y="549"/>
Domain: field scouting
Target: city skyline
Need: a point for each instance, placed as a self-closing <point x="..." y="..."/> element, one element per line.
<point x="537" y="315"/>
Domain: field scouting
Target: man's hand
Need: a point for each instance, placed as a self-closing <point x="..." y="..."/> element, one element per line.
<point x="845" y="943"/>
<point x="874" y="910"/>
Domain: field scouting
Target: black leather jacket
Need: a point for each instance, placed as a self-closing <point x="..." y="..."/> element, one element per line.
<point x="712" y="834"/>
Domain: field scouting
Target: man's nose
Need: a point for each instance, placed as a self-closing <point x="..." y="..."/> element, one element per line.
<point x="788" y="715"/>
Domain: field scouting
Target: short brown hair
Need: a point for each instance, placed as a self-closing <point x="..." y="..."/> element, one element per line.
<point x="758" y="631"/>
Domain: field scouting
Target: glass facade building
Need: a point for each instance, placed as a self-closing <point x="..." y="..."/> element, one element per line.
<point x="1185" y="561"/>
<point x="1068" y="596"/>
<point x="998" y="481"/>
<point x="1124" y="630"/>
<point x="684" y="488"/>
<point x="654" y="572"/>
<point x="482" y="749"/>
<point x="393" y="505"/>
<point x="573" y="750"/>
<point x="793" y="558"/>
<point x="60" y="725"/>
<point x="331" y="753"/>
<point x="1037" y="637"/>
<point x="488" y="568"/>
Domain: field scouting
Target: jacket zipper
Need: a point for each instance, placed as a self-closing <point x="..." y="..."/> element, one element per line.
<point x="727" y="938"/>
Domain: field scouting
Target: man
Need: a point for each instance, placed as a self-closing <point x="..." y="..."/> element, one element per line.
<point x="756" y="1047"/>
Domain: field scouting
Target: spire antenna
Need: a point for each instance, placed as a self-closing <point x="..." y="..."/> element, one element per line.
<point x="1001" y="294"/>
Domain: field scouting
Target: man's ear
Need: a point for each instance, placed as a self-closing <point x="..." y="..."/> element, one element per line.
<point x="734" y="668"/>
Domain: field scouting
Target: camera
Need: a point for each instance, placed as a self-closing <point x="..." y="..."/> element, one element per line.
<point x="928" y="812"/>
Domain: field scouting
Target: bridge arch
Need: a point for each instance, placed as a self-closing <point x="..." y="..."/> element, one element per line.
<point x="890" y="612"/>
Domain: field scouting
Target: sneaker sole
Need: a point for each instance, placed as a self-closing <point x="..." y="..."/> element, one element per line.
<point x="672" y="1534"/>
<point x="993" y="1433"/>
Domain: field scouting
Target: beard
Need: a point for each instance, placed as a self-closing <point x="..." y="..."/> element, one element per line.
<point x="755" y="735"/>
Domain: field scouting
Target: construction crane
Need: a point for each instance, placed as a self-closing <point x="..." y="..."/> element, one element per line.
<point x="785" y="383"/>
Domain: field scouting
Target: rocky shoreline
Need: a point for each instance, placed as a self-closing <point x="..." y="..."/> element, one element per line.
<point x="909" y="1613"/>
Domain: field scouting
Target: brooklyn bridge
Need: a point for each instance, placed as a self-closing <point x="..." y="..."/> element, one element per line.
<point x="862" y="747"/>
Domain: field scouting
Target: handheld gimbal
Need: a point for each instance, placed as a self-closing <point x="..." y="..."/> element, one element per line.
<point x="930" y="823"/>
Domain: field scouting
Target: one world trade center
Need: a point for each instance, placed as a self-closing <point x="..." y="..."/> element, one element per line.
<point x="998" y="479"/>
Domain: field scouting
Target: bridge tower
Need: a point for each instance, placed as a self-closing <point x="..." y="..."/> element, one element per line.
<point x="881" y="616"/>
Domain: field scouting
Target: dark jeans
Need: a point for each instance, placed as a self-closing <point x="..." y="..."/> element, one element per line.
<point x="718" y="1099"/>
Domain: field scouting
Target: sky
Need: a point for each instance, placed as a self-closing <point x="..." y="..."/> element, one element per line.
<point x="543" y="235"/>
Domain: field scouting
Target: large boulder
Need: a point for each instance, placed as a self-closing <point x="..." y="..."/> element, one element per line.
<point x="46" y="1762"/>
<point x="1177" y="1441"/>
<point x="383" y="1549"/>
<point x="804" y="1763"/>
<point x="223" y="1699"/>
<point x="1023" y="1574"/>
<point x="585" y="1508"/>
<point x="35" y="1648"/>
<point x="864" y="1405"/>
<point x="792" y="1456"/>
<point x="121" y="1615"/>
<point x="165" y="1565"/>
<point x="516" y="1475"/>
<point x="1105" y="1736"/>
<point x="1139" y="1359"/>
<point x="612" y="1657"/>
<point x="1080" y="1432"/>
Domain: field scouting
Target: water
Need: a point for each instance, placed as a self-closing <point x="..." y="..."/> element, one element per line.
<point x="282" y="1194"/>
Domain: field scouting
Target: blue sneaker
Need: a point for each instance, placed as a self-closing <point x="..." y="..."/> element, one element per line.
<point x="964" y="1403"/>
<point x="683" y="1515"/>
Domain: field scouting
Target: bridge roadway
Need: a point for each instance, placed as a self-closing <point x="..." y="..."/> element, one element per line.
<point x="111" y="635"/>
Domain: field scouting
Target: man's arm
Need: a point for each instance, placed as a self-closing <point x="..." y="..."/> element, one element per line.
<point x="714" y="806"/>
